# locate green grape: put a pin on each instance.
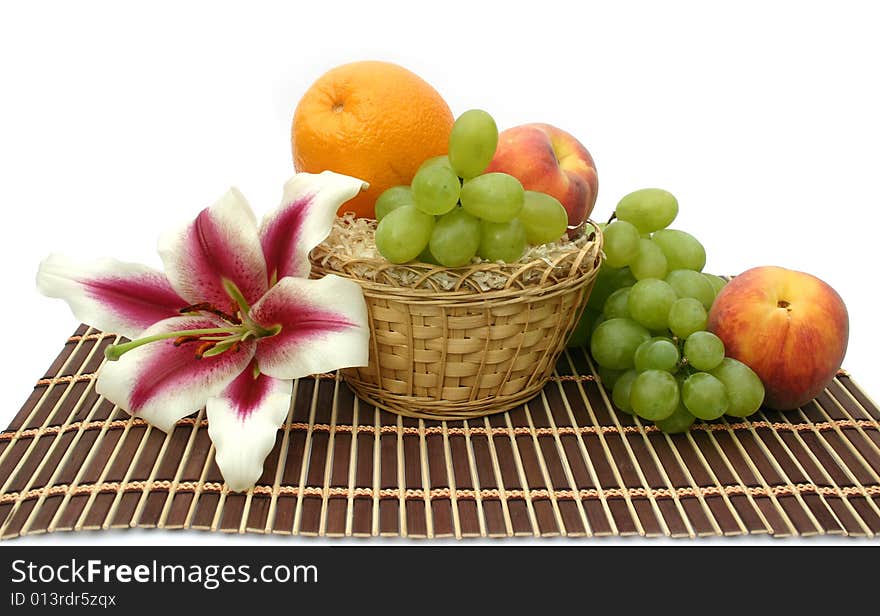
(599, 320)
(703, 350)
(608, 280)
(654, 395)
(649, 303)
(687, 316)
(682, 250)
(617, 304)
(688, 283)
(705, 396)
(403, 233)
(680, 420)
(651, 262)
(455, 239)
(648, 209)
(608, 377)
(580, 335)
(744, 388)
(442, 161)
(543, 217)
(496, 197)
(656, 354)
(472, 143)
(614, 342)
(717, 282)
(435, 187)
(621, 243)
(502, 241)
(393, 198)
(620, 393)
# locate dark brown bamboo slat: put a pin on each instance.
(563, 464)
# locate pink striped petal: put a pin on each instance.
(303, 220)
(124, 298)
(243, 423)
(323, 327)
(221, 243)
(162, 383)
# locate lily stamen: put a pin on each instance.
(115, 351)
(216, 348)
(237, 296)
(210, 308)
(214, 340)
(204, 348)
(184, 339)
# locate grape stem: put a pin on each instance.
(683, 363)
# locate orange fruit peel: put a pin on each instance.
(376, 121)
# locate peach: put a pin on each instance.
(549, 160)
(789, 327)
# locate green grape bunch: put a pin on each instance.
(453, 211)
(645, 322)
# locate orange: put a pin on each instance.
(372, 120)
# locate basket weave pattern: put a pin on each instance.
(458, 343)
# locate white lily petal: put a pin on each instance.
(323, 326)
(243, 423)
(110, 295)
(220, 244)
(303, 220)
(162, 383)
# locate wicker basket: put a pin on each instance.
(460, 343)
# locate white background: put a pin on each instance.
(119, 119)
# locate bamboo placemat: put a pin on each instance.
(563, 464)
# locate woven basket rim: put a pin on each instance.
(540, 275)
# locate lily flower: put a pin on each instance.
(230, 322)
